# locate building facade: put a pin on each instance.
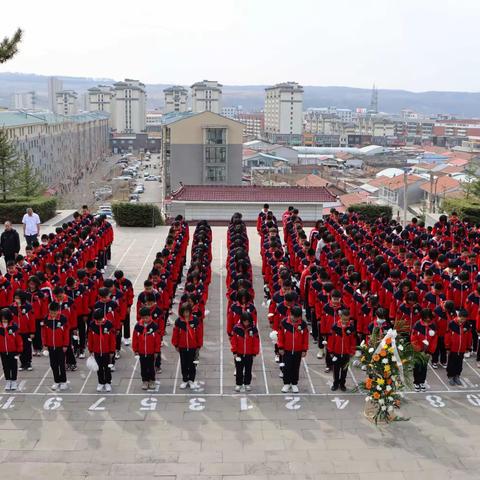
(206, 96)
(284, 109)
(67, 102)
(24, 101)
(201, 149)
(55, 85)
(129, 113)
(62, 148)
(254, 124)
(101, 99)
(176, 99)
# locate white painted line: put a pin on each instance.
(143, 264)
(122, 257)
(353, 376)
(85, 382)
(308, 376)
(264, 371)
(42, 380)
(475, 371)
(131, 376)
(176, 376)
(21, 385)
(438, 376)
(221, 317)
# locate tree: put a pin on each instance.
(9, 46)
(8, 165)
(28, 183)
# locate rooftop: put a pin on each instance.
(353, 198)
(440, 185)
(312, 181)
(14, 118)
(252, 194)
(398, 182)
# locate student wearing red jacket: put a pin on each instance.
(39, 301)
(126, 287)
(341, 345)
(424, 338)
(293, 346)
(187, 338)
(457, 341)
(101, 344)
(245, 343)
(56, 338)
(11, 344)
(146, 343)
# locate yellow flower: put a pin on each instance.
(362, 359)
(380, 381)
(385, 346)
(386, 368)
(391, 350)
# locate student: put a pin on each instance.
(11, 344)
(341, 344)
(146, 342)
(101, 343)
(457, 341)
(424, 338)
(245, 343)
(56, 338)
(187, 338)
(126, 287)
(22, 314)
(293, 346)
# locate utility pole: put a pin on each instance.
(405, 199)
(430, 206)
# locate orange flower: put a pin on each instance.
(386, 374)
(376, 395)
(389, 381)
(383, 353)
(368, 383)
(376, 358)
(388, 341)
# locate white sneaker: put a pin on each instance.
(237, 388)
(467, 355)
(248, 388)
(54, 386)
(99, 387)
(63, 386)
(277, 358)
(184, 385)
(207, 312)
(295, 389)
(320, 353)
(112, 368)
(242, 388)
(286, 388)
(117, 355)
(8, 385)
(13, 385)
(108, 387)
(280, 374)
(126, 341)
(81, 355)
(194, 385)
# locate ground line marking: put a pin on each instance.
(41, 381)
(308, 376)
(438, 376)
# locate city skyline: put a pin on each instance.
(402, 45)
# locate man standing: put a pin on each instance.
(9, 242)
(31, 226)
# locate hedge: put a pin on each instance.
(465, 208)
(14, 210)
(136, 214)
(371, 212)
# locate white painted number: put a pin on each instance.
(53, 403)
(8, 403)
(293, 403)
(245, 404)
(435, 401)
(340, 402)
(148, 403)
(197, 404)
(474, 399)
(95, 407)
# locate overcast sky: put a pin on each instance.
(409, 44)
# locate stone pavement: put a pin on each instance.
(215, 434)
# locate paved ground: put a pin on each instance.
(215, 434)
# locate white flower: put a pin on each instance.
(362, 344)
(388, 388)
(390, 408)
(367, 399)
(384, 408)
(381, 401)
(379, 387)
(370, 350)
(400, 347)
(358, 353)
(385, 361)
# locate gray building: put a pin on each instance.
(201, 149)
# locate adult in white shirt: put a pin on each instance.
(31, 226)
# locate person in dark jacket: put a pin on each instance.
(9, 243)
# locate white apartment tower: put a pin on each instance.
(129, 112)
(284, 108)
(66, 102)
(54, 86)
(175, 99)
(206, 96)
(24, 101)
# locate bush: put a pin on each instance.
(137, 214)
(371, 212)
(465, 208)
(15, 208)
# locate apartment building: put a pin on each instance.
(206, 96)
(67, 102)
(254, 123)
(101, 99)
(176, 98)
(55, 85)
(129, 113)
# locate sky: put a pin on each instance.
(415, 45)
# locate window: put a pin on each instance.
(215, 154)
(216, 174)
(216, 136)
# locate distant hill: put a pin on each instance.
(251, 96)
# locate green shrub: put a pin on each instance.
(465, 208)
(136, 214)
(15, 208)
(371, 212)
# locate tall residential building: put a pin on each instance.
(206, 96)
(284, 109)
(24, 101)
(129, 115)
(201, 149)
(175, 99)
(101, 99)
(54, 86)
(66, 102)
(254, 123)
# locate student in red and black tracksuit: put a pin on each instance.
(39, 301)
(457, 341)
(342, 344)
(109, 308)
(101, 343)
(424, 339)
(11, 344)
(293, 344)
(56, 338)
(146, 343)
(187, 338)
(444, 314)
(245, 343)
(126, 287)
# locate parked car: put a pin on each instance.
(146, 174)
(151, 178)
